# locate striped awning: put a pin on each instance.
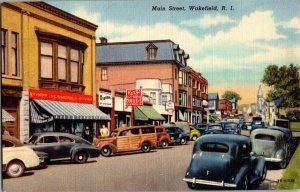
(6, 116)
(150, 112)
(45, 111)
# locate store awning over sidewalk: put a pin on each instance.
(161, 110)
(6, 117)
(145, 111)
(45, 111)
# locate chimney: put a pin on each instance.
(103, 40)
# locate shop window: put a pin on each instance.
(15, 57)
(4, 51)
(104, 74)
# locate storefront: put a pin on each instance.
(122, 113)
(56, 111)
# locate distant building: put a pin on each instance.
(225, 107)
(213, 102)
(260, 100)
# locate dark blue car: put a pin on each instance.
(231, 128)
(224, 160)
(178, 135)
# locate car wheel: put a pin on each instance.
(106, 151)
(164, 144)
(15, 169)
(146, 147)
(192, 185)
(194, 137)
(183, 141)
(80, 157)
(244, 184)
(283, 163)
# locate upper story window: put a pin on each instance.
(153, 97)
(152, 51)
(104, 74)
(15, 57)
(4, 51)
(61, 61)
(183, 99)
(164, 99)
(180, 77)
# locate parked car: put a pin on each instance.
(194, 133)
(224, 160)
(257, 123)
(127, 139)
(231, 127)
(201, 127)
(246, 125)
(275, 144)
(213, 128)
(63, 146)
(17, 157)
(163, 137)
(177, 135)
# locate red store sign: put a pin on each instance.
(60, 96)
(134, 97)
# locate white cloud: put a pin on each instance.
(93, 17)
(293, 23)
(207, 21)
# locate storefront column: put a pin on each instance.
(112, 115)
(24, 116)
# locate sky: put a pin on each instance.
(230, 47)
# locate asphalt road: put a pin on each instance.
(160, 170)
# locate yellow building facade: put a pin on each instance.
(43, 48)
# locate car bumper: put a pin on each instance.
(271, 159)
(206, 182)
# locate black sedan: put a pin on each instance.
(224, 160)
(63, 146)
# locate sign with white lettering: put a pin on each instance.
(105, 99)
(134, 97)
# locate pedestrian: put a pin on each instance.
(104, 132)
(87, 135)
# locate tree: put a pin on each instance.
(228, 95)
(285, 81)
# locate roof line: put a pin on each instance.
(134, 42)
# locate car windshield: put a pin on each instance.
(265, 137)
(215, 127)
(231, 125)
(214, 147)
(33, 139)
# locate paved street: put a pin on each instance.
(160, 170)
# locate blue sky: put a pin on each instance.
(230, 48)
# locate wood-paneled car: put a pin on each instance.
(224, 160)
(128, 139)
(17, 157)
(275, 144)
(63, 146)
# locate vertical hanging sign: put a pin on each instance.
(134, 97)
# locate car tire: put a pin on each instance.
(283, 163)
(164, 144)
(146, 147)
(80, 157)
(15, 169)
(245, 183)
(183, 141)
(106, 151)
(192, 185)
(194, 138)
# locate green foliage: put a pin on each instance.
(230, 95)
(291, 176)
(285, 81)
(293, 115)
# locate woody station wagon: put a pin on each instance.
(135, 138)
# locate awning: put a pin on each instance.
(139, 115)
(45, 111)
(6, 116)
(149, 112)
(161, 110)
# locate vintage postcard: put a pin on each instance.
(150, 95)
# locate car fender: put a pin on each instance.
(280, 154)
(75, 149)
(259, 166)
(239, 175)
